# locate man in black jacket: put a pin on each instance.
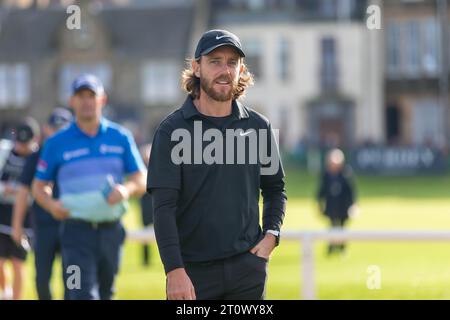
(207, 168)
(336, 194)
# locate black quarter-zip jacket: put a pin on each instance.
(205, 212)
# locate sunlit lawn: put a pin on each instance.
(409, 270)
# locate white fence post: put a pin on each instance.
(308, 267)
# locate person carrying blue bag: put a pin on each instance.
(97, 166)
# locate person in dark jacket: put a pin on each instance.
(336, 194)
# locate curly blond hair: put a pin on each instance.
(191, 83)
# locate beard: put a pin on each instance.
(218, 95)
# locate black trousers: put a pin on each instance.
(338, 222)
(339, 247)
(47, 244)
(241, 277)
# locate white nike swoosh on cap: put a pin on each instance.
(218, 38)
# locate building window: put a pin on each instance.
(284, 59)
(69, 72)
(393, 48)
(253, 56)
(237, 4)
(427, 123)
(345, 9)
(160, 82)
(328, 8)
(14, 85)
(289, 4)
(328, 72)
(430, 46)
(412, 48)
(256, 4)
(4, 86)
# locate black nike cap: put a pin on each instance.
(216, 38)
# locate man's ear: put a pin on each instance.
(196, 68)
(241, 68)
(104, 99)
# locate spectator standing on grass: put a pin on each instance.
(336, 195)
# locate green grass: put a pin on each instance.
(409, 270)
